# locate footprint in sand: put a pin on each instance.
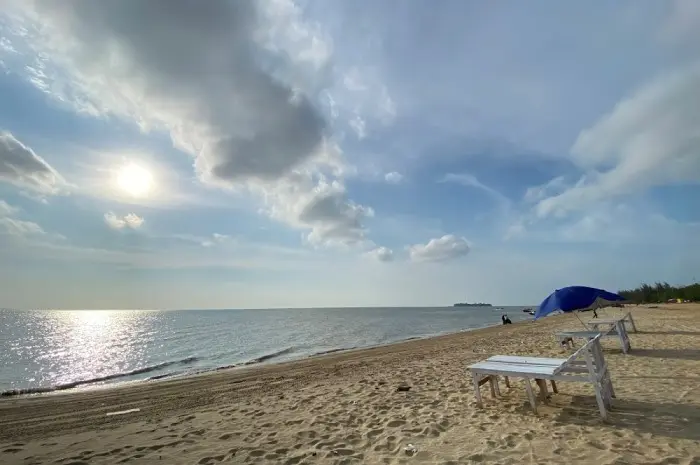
(389, 446)
(208, 460)
(353, 439)
(341, 452)
(306, 434)
(396, 423)
(597, 444)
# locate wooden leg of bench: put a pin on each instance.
(601, 401)
(477, 392)
(531, 395)
(498, 388)
(542, 384)
(507, 381)
(492, 385)
(554, 387)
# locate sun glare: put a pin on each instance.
(135, 180)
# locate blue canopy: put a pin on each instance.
(574, 298)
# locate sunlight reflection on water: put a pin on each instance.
(85, 348)
(84, 344)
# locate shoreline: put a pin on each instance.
(101, 383)
(241, 374)
(346, 408)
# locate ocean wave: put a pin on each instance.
(331, 351)
(270, 356)
(98, 379)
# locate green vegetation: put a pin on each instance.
(662, 292)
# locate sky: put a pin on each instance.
(281, 153)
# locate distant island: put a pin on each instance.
(478, 304)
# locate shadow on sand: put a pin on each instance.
(685, 354)
(672, 333)
(670, 420)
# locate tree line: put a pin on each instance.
(662, 292)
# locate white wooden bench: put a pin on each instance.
(617, 330)
(585, 365)
(596, 323)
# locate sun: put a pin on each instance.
(135, 180)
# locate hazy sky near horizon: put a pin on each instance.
(280, 153)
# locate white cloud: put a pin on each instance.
(649, 139)
(359, 126)
(13, 226)
(444, 248)
(609, 223)
(320, 206)
(469, 180)
(382, 254)
(682, 22)
(20, 166)
(6, 209)
(516, 229)
(130, 221)
(553, 186)
(215, 239)
(363, 91)
(20, 228)
(242, 108)
(393, 177)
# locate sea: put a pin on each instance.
(43, 351)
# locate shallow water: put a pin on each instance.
(54, 350)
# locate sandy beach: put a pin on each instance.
(345, 408)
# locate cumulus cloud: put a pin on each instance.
(231, 82)
(20, 166)
(192, 69)
(440, 249)
(393, 177)
(129, 221)
(382, 254)
(319, 205)
(649, 139)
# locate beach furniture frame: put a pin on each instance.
(596, 323)
(617, 329)
(586, 365)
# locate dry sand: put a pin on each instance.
(344, 408)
